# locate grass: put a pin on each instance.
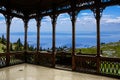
(111, 49)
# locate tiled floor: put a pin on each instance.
(33, 72)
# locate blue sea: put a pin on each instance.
(83, 39)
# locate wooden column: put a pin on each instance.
(98, 14)
(98, 39)
(25, 34)
(54, 19)
(25, 37)
(98, 32)
(8, 22)
(38, 20)
(73, 20)
(73, 15)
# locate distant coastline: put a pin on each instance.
(83, 39)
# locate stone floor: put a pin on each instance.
(33, 72)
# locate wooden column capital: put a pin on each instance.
(25, 23)
(38, 20)
(8, 19)
(54, 19)
(73, 16)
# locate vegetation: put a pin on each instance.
(111, 49)
(17, 46)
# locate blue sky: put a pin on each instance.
(110, 21)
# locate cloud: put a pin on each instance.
(108, 19)
(85, 14)
(116, 20)
(63, 18)
(1, 15)
(86, 19)
(118, 6)
(46, 19)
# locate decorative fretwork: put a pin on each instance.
(86, 63)
(2, 60)
(85, 3)
(110, 66)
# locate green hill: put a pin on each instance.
(111, 49)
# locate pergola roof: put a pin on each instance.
(30, 8)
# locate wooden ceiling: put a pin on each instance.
(31, 7)
(35, 5)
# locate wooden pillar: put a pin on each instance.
(25, 34)
(25, 37)
(98, 14)
(98, 32)
(73, 15)
(8, 22)
(38, 20)
(54, 19)
(73, 19)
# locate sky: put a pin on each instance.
(86, 22)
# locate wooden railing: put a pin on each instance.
(86, 63)
(63, 58)
(45, 59)
(110, 66)
(30, 57)
(2, 60)
(40, 58)
(16, 58)
(100, 65)
(83, 63)
(11, 58)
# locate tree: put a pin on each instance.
(3, 40)
(31, 48)
(11, 47)
(19, 45)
